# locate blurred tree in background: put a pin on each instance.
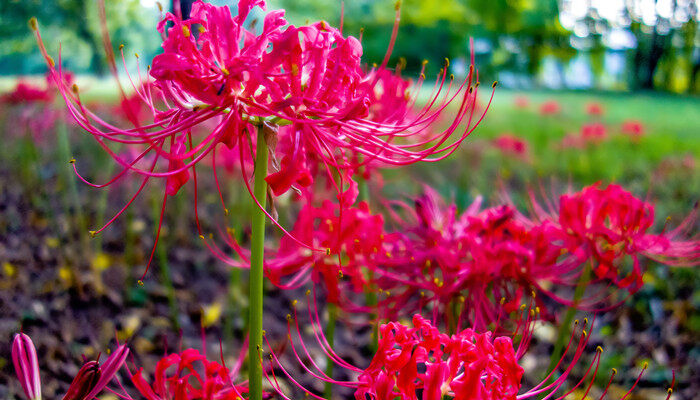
(76, 25)
(519, 42)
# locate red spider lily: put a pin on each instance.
(188, 375)
(25, 92)
(593, 133)
(88, 383)
(521, 102)
(512, 145)
(421, 359)
(550, 107)
(634, 129)
(351, 236)
(478, 263)
(590, 134)
(29, 106)
(306, 79)
(609, 226)
(594, 109)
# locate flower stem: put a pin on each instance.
(330, 337)
(370, 292)
(256, 271)
(565, 327)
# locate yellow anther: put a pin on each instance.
(447, 62)
(494, 84)
(614, 371)
(92, 233)
(295, 70)
(289, 317)
(646, 365)
(599, 349)
(585, 321)
(137, 55)
(160, 6)
(201, 237)
(140, 282)
(533, 294)
(51, 62)
(532, 313)
(201, 29)
(328, 251)
(425, 61)
(186, 31)
(503, 300)
(575, 322)
(74, 88)
(583, 333)
(340, 274)
(121, 46)
(452, 77)
(294, 303)
(357, 240)
(226, 211)
(397, 5)
(308, 292)
(323, 25)
(33, 23)
(537, 310)
(263, 332)
(669, 391)
(523, 307)
(71, 161)
(224, 71)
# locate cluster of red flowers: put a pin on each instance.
(322, 113)
(482, 261)
(466, 365)
(305, 84)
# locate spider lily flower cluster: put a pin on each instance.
(475, 267)
(418, 360)
(305, 84)
(481, 262)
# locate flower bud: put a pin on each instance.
(26, 366)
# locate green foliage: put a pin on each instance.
(75, 26)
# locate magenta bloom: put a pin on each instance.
(521, 102)
(550, 107)
(481, 261)
(304, 86)
(467, 365)
(609, 224)
(594, 133)
(512, 145)
(25, 92)
(420, 360)
(87, 384)
(634, 129)
(189, 375)
(594, 109)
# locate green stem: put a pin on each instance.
(257, 249)
(370, 292)
(330, 337)
(565, 326)
(164, 267)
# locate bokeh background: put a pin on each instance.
(589, 90)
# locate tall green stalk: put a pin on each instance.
(370, 293)
(330, 337)
(565, 327)
(256, 271)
